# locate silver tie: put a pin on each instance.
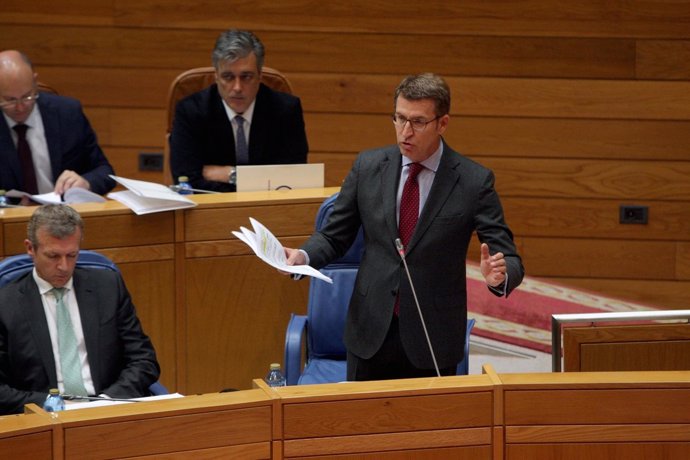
(241, 150)
(67, 345)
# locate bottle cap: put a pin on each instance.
(2, 191)
(183, 179)
(275, 366)
(54, 391)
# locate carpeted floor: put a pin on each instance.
(524, 318)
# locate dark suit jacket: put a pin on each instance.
(71, 143)
(202, 135)
(462, 200)
(122, 360)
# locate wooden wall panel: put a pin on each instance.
(577, 106)
(532, 18)
(663, 59)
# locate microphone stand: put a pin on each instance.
(176, 188)
(401, 251)
(68, 397)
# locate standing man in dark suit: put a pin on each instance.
(72, 329)
(238, 120)
(451, 198)
(61, 147)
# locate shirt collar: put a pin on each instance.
(32, 120)
(247, 115)
(44, 286)
(430, 163)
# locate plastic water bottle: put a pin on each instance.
(3, 199)
(275, 377)
(54, 402)
(185, 188)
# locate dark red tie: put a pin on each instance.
(27, 164)
(409, 204)
(409, 211)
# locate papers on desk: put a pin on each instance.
(71, 196)
(146, 197)
(110, 402)
(267, 247)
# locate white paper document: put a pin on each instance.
(110, 402)
(267, 247)
(71, 196)
(146, 197)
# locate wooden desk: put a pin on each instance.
(215, 313)
(26, 436)
(225, 425)
(596, 415)
(450, 417)
(627, 347)
(583, 415)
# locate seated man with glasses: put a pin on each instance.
(46, 142)
(238, 120)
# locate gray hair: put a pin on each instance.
(59, 220)
(234, 44)
(425, 86)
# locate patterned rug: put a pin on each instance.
(524, 318)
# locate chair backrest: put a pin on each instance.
(43, 88)
(13, 267)
(194, 80)
(328, 303)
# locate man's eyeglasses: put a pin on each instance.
(13, 102)
(417, 124)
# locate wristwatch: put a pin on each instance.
(232, 177)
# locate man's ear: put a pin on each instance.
(29, 247)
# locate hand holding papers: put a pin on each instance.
(267, 247)
(146, 197)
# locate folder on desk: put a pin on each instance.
(147, 197)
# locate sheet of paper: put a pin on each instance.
(106, 402)
(71, 196)
(146, 197)
(145, 205)
(267, 247)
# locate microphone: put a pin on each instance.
(69, 397)
(176, 188)
(401, 250)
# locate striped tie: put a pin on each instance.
(67, 345)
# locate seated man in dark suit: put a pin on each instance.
(236, 121)
(46, 141)
(69, 328)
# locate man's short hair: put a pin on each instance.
(59, 220)
(235, 44)
(425, 86)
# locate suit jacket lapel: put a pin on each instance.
(220, 127)
(447, 176)
(51, 127)
(257, 133)
(9, 153)
(36, 319)
(87, 300)
(390, 174)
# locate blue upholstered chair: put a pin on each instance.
(13, 267)
(324, 323)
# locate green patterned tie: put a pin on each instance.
(67, 344)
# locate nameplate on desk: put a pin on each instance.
(254, 178)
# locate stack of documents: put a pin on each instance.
(71, 196)
(146, 197)
(267, 247)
